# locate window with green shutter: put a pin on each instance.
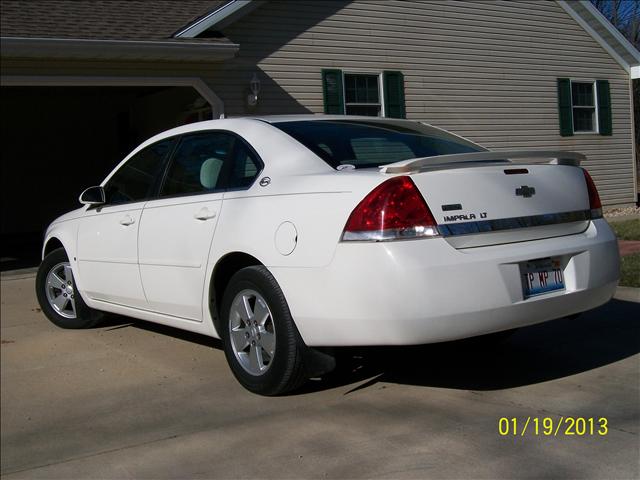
(584, 107)
(332, 92)
(367, 94)
(604, 107)
(394, 106)
(564, 107)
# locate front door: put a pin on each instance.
(108, 235)
(108, 254)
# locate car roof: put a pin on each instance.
(270, 119)
(236, 122)
(317, 117)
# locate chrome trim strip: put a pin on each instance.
(484, 226)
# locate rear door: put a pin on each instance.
(177, 228)
(108, 235)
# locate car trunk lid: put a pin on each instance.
(481, 199)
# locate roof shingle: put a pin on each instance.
(101, 19)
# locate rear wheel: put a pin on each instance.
(261, 342)
(58, 295)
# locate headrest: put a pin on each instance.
(209, 172)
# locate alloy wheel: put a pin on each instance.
(252, 332)
(60, 291)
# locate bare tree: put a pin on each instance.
(624, 15)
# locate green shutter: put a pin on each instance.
(332, 92)
(604, 107)
(394, 94)
(564, 107)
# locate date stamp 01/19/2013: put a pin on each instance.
(553, 427)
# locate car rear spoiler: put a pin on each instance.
(444, 161)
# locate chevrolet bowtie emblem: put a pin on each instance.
(525, 191)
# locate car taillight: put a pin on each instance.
(594, 199)
(394, 210)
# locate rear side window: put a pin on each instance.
(366, 144)
(136, 179)
(197, 165)
(244, 167)
(210, 162)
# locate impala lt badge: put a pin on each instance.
(466, 217)
(525, 191)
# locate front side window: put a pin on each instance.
(136, 179)
(583, 105)
(362, 95)
(197, 164)
(366, 144)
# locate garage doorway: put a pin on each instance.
(58, 140)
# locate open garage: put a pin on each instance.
(58, 140)
(75, 102)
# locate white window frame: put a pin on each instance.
(380, 89)
(596, 123)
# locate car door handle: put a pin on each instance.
(204, 214)
(127, 220)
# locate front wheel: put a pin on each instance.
(261, 342)
(58, 295)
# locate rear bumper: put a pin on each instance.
(423, 291)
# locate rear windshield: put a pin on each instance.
(366, 144)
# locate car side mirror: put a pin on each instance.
(93, 196)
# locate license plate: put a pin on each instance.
(541, 276)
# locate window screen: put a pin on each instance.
(362, 95)
(583, 103)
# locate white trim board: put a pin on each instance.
(213, 18)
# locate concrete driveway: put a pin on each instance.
(135, 400)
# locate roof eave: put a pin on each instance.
(624, 42)
(616, 51)
(177, 51)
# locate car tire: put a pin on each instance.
(58, 294)
(261, 342)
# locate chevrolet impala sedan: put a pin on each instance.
(286, 235)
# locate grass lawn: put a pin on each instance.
(630, 270)
(627, 230)
(629, 265)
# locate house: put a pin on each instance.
(84, 81)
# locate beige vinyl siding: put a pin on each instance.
(484, 70)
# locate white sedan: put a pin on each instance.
(281, 235)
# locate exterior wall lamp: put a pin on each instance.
(254, 87)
